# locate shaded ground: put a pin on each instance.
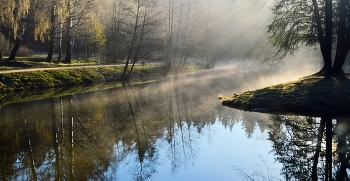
(311, 95)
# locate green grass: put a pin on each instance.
(40, 62)
(19, 81)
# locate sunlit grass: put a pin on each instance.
(18, 81)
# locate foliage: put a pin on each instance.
(293, 26)
(12, 13)
(94, 36)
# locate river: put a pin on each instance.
(173, 129)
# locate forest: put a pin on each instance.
(126, 30)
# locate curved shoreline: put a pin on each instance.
(310, 96)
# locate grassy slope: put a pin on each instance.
(20, 81)
(312, 95)
(51, 83)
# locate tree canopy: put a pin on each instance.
(320, 23)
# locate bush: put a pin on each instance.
(24, 51)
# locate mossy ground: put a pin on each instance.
(20, 81)
(311, 95)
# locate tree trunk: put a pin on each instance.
(0, 55)
(340, 51)
(133, 41)
(15, 49)
(329, 26)
(326, 48)
(51, 51)
(60, 44)
(52, 34)
(68, 58)
(19, 39)
(136, 58)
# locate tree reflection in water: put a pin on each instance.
(311, 148)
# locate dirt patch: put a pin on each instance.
(311, 96)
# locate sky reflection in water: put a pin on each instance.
(218, 150)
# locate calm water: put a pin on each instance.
(175, 129)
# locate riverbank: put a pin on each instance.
(28, 80)
(311, 95)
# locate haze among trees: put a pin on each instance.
(171, 32)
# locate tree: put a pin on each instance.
(19, 38)
(92, 36)
(136, 32)
(13, 16)
(45, 20)
(324, 24)
(183, 30)
(76, 12)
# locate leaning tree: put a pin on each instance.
(321, 23)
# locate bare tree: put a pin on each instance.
(139, 32)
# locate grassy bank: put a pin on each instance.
(312, 96)
(20, 81)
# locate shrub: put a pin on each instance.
(24, 51)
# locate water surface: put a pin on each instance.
(175, 129)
